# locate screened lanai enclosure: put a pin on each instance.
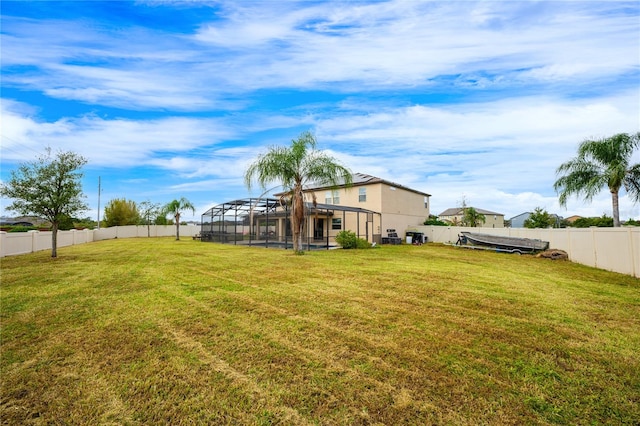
(265, 222)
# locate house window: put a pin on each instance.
(426, 202)
(327, 197)
(336, 223)
(362, 195)
(336, 197)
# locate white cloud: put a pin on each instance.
(484, 99)
(502, 154)
(116, 143)
(310, 46)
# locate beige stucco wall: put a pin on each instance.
(612, 249)
(359, 225)
(349, 197)
(400, 208)
(493, 221)
(397, 201)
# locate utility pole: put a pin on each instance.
(99, 191)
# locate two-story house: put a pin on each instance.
(370, 207)
(455, 216)
(400, 207)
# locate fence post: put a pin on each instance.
(34, 240)
(3, 243)
(595, 248)
(633, 255)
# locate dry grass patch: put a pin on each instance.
(144, 331)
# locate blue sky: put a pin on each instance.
(475, 100)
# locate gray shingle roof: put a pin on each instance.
(360, 179)
(456, 211)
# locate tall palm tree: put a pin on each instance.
(601, 163)
(295, 167)
(175, 209)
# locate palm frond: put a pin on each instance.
(632, 183)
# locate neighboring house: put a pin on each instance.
(573, 218)
(37, 221)
(455, 216)
(400, 207)
(23, 221)
(8, 222)
(518, 221)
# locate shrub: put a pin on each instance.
(347, 239)
(435, 222)
(540, 218)
(20, 228)
(361, 243)
(601, 222)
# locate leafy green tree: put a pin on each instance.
(564, 223)
(601, 163)
(601, 222)
(175, 208)
(49, 187)
(540, 218)
(121, 212)
(87, 223)
(294, 167)
(433, 220)
(162, 220)
(472, 217)
(632, 222)
(148, 211)
(583, 222)
(604, 221)
(66, 223)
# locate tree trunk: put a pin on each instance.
(616, 208)
(300, 246)
(298, 217)
(177, 218)
(54, 239)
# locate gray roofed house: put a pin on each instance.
(454, 216)
(400, 207)
(362, 179)
(518, 221)
(372, 208)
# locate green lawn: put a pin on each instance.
(148, 331)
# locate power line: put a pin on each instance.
(20, 144)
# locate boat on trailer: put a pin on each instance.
(502, 243)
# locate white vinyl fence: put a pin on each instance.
(612, 249)
(13, 243)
